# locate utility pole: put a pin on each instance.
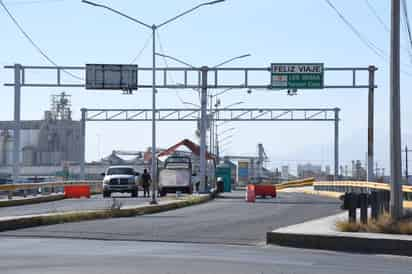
(396, 210)
(406, 164)
(203, 118)
(371, 69)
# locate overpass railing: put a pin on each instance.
(296, 183)
(359, 187)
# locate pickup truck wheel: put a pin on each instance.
(106, 194)
(162, 193)
(134, 194)
(190, 190)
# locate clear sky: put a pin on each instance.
(73, 33)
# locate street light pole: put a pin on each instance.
(154, 158)
(153, 29)
(395, 116)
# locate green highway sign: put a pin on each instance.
(297, 75)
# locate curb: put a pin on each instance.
(29, 201)
(341, 243)
(59, 218)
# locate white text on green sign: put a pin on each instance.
(297, 76)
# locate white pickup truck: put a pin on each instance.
(120, 179)
(176, 176)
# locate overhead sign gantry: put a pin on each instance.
(204, 78)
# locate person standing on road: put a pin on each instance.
(146, 180)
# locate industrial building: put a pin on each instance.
(53, 141)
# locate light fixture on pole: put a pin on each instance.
(153, 28)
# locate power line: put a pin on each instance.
(167, 66)
(139, 54)
(376, 50)
(384, 25)
(407, 26)
(377, 16)
(42, 53)
(21, 3)
(379, 52)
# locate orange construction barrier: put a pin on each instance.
(250, 193)
(77, 191)
(265, 190)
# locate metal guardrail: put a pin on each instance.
(359, 187)
(23, 190)
(296, 183)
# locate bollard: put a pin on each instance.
(363, 203)
(387, 197)
(353, 204)
(345, 201)
(374, 205)
(250, 193)
(381, 201)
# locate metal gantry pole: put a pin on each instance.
(371, 91)
(203, 117)
(83, 144)
(336, 144)
(217, 146)
(396, 210)
(211, 124)
(406, 165)
(17, 125)
(154, 157)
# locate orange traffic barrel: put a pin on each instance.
(250, 193)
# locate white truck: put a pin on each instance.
(120, 179)
(176, 175)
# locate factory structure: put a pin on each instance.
(53, 141)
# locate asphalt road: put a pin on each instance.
(90, 256)
(95, 202)
(227, 220)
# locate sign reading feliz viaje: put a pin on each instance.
(297, 76)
